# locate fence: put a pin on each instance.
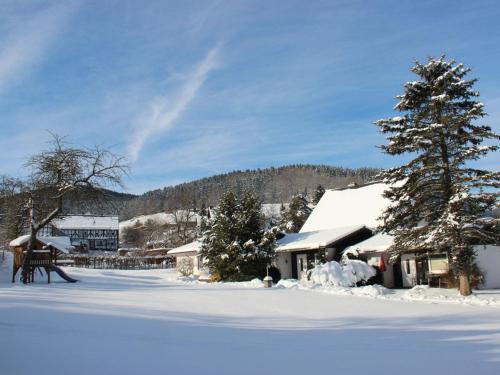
(120, 262)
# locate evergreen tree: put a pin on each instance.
(318, 193)
(296, 215)
(438, 197)
(235, 245)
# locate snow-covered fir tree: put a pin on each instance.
(439, 198)
(294, 217)
(235, 245)
(318, 193)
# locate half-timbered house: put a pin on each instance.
(87, 232)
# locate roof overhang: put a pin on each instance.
(192, 248)
(315, 240)
(60, 243)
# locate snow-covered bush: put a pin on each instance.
(358, 270)
(348, 274)
(185, 266)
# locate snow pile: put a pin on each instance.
(288, 284)
(423, 293)
(417, 293)
(257, 283)
(335, 274)
(373, 291)
(358, 270)
(187, 279)
(370, 291)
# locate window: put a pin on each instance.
(407, 266)
(438, 264)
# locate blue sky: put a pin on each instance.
(188, 89)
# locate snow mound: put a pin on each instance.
(188, 279)
(256, 283)
(288, 284)
(417, 293)
(346, 275)
(423, 293)
(373, 291)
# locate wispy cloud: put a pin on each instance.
(163, 112)
(25, 45)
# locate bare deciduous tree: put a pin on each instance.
(13, 215)
(185, 223)
(59, 172)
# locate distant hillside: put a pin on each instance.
(274, 185)
(107, 202)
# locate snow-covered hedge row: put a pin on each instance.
(336, 274)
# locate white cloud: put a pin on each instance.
(25, 45)
(164, 113)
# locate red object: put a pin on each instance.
(382, 264)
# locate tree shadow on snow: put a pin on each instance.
(94, 341)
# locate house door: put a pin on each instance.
(301, 265)
(398, 275)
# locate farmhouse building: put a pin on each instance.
(87, 232)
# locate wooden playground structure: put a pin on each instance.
(44, 257)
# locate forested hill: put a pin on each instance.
(274, 185)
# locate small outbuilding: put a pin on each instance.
(189, 251)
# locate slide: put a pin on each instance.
(62, 274)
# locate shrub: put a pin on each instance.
(185, 266)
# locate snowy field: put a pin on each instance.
(149, 322)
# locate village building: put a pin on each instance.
(86, 232)
(342, 218)
(190, 251)
(413, 269)
(296, 252)
(343, 224)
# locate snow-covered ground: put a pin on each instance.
(144, 322)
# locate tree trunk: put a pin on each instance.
(31, 245)
(464, 285)
(35, 228)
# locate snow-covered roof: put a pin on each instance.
(60, 243)
(378, 243)
(86, 222)
(352, 206)
(161, 218)
(315, 239)
(192, 247)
